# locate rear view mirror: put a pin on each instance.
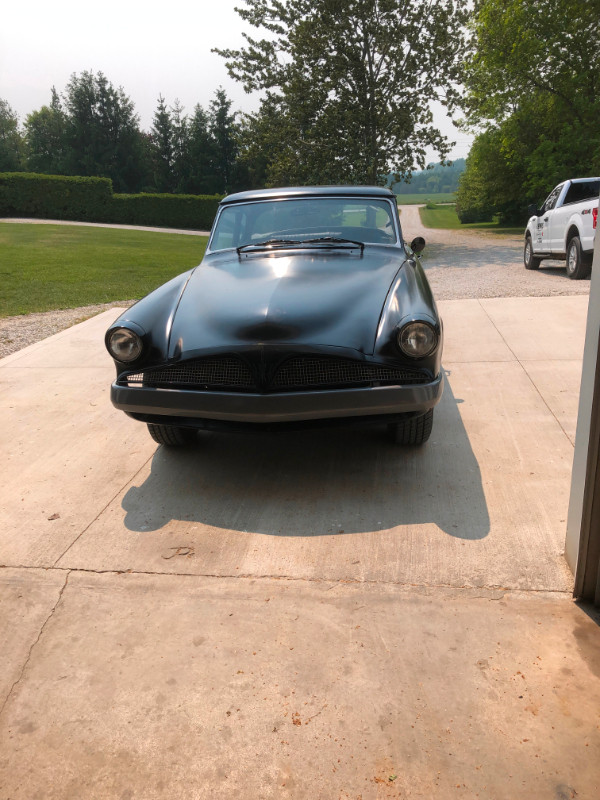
(418, 244)
(533, 210)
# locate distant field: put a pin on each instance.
(415, 199)
(47, 267)
(446, 218)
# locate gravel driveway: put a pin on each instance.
(469, 264)
(459, 264)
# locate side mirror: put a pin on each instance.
(418, 244)
(533, 210)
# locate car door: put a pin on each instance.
(560, 217)
(542, 242)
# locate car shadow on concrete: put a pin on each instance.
(318, 483)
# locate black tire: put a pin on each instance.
(531, 262)
(414, 431)
(171, 435)
(578, 265)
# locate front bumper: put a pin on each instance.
(275, 408)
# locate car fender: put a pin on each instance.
(152, 318)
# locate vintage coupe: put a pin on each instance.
(308, 308)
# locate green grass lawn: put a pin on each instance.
(415, 199)
(446, 218)
(47, 267)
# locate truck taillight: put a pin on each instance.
(594, 217)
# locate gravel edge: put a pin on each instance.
(19, 332)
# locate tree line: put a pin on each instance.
(346, 90)
(91, 129)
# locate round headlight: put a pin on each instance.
(417, 339)
(124, 345)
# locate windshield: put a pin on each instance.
(303, 219)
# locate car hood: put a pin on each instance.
(313, 297)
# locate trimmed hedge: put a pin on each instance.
(165, 210)
(24, 194)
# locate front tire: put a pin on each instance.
(415, 431)
(531, 262)
(171, 435)
(578, 265)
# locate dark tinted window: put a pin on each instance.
(578, 192)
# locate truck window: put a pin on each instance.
(578, 192)
(552, 198)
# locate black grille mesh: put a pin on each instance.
(228, 372)
(296, 373)
(309, 371)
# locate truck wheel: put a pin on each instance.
(531, 262)
(578, 265)
(414, 431)
(171, 435)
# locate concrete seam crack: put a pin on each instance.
(291, 579)
(31, 649)
(529, 378)
(102, 510)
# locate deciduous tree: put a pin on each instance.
(348, 84)
(532, 74)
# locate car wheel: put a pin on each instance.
(531, 262)
(578, 266)
(414, 431)
(171, 435)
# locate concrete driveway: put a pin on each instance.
(315, 615)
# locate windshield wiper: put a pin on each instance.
(327, 241)
(270, 243)
(335, 240)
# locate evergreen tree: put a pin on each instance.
(200, 177)
(181, 146)
(46, 138)
(161, 135)
(223, 131)
(11, 141)
(103, 136)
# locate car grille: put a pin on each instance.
(301, 372)
(230, 373)
(306, 371)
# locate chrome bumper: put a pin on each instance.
(284, 407)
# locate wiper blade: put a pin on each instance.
(272, 244)
(335, 240)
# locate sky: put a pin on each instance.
(147, 47)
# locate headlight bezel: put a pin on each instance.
(403, 331)
(133, 335)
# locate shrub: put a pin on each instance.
(92, 200)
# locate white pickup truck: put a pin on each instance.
(564, 227)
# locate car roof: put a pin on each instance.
(308, 191)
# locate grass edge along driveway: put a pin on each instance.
(50, 267)
(444, 217)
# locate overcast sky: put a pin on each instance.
(147, 47)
